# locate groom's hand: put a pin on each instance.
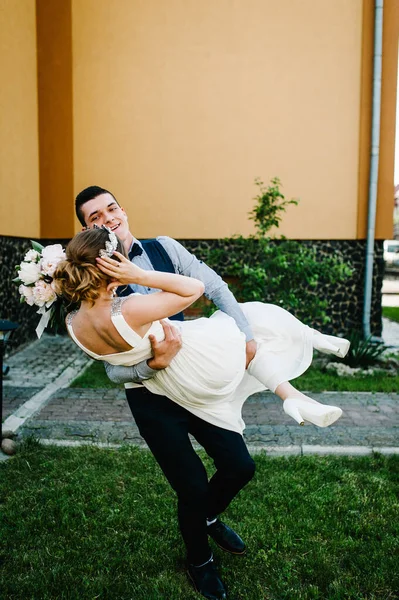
(250, 351)
(165, 350)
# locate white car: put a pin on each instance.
(391, 254)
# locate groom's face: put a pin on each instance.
(104, 210)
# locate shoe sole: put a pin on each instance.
(342, 344)
(324, 420)
(231, 551)
(344, 349)
(331, 417)
(194, 584)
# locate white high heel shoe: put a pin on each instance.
(314, 412)
(331, 344)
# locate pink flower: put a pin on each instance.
(27, 293)
(43, 294)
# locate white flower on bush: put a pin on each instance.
(51, 256)
(29, 272)
(32, 256)
(27, 293)
(43, 294)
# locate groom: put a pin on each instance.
(165, 425)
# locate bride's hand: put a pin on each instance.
(251, 348)
(122, 271)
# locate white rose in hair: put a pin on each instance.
(51, 256)
(29, 272)
(27, 293)
(43, 294)
(32, 256)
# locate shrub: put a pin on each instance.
(277, 270)
(363, 352)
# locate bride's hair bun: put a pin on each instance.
(78, 278)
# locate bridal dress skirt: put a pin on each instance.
(208, 375)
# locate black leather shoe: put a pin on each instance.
(226, 538)
(207, 582)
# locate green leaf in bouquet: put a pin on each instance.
(36, 246)
(17, 280)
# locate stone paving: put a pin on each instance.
(14, 397)
(390, 333)
(42, 361)
(103, 416)
(68, 415)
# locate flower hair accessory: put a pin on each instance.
(110, 245)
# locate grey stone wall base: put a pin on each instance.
(345, 300)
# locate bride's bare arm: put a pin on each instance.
(178, 293)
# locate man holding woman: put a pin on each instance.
(204, 384)
(164, 425)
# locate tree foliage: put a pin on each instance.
(273, 269)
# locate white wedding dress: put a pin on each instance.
(208, 375)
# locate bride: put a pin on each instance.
(208, 375)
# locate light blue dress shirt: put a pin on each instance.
(185, 263)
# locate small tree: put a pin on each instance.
(270, 203)
(275, 269)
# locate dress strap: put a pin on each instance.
(120, 324)
(69, 319)
(116, 306)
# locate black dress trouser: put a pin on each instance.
(165, 426)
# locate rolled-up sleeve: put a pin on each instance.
(217, 290)
(135, 374)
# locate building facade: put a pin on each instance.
(177, 106)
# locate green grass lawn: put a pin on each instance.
(314, 380)
(94, 377)
(90, 523)
(391, 312)
(317, 380)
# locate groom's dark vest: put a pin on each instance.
(161, 261)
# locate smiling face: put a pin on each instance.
(104, 210)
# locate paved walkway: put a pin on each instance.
(38, 401)
(390, 291)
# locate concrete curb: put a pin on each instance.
(34, 404)
(304, 450)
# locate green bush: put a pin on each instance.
(277, 270)
(363, 352)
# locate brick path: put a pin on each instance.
(370, 421)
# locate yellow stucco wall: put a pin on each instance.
(384, 217)
(19, 174)
(178, 105)
(385, 192)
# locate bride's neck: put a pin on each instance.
(104, 299)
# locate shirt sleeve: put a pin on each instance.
(217, 290)
(136, 373)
